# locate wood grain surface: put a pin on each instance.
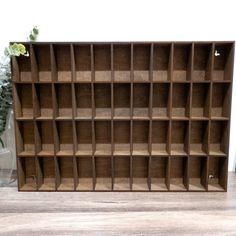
(118, 213)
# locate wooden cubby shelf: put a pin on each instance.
(141, 116)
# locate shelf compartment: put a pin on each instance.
(141, 62)
(180, 100)
(202, 62)
(64, 138)
(141, 101)
(160, 134)
(62, 55)
(46, 174)
(122, 101)
(161, 62)
(121, 138)
(121, 173)
(102, 101)
(179, 138)
(24, 101)
(85, 174)
(25, 138)
(161, 101)
(82, 55)
(182, 62)
(122, 63)
(102, 63)
(200, 100)
(199, 138)
(178, 173)
(63, 106)
(221, 101)
(66, 174)
(223, 62)
(217, 179)
(84, 138)
(27, 174)
(140, 173)
(44, 138)
(103, 173)
(158, 173)
(103, 138)
(24, 65)
(43, 60)
(83, 95)
(219, 138)
(43, 101)
(197, 173)
(140, 138)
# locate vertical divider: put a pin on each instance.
(131, 114)
(33, 64)
(112, 117)
(93, 117)
(75, 170)
(53, 64)
(15, 69)
(150, 117)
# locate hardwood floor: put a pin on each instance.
(118, 213)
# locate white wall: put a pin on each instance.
(122, 20)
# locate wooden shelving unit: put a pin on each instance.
(123, 116)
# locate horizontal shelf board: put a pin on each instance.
(25, 118)
(28, 187)
(45, 153)
(121, 184)
(26, 153)
(158, 184)
(176, 184)
(48, 186)
(103, 184)
(195, 185)
(64, 153)
(85, 184)
(140, 184)
(66, 186)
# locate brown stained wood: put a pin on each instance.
(123, 116)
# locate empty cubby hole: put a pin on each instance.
(160, 130)
(82, 55)
(217, 173)
(200, 100)
(62, 55)
(103, 137)
(140, 137)
(202, 62)
(180, 100)
(141, 62)
(63, 101)
(161, 62)
(103, 173)
(24, 64)
(221, 95)
(27, 173)
(25, 138)
(223, 62)
(179, 137)
(23, 101)
(122, 62)
(158, 173)
(219, 137)
(85, 173)
(160, 101)
(83, 101)
(64, 138)
(122, 101)
(178, 173)
(65, 174)
(102, 63)
(141, 100)
(102, 101)
(43, 101)
(197, 173)
(122, 173)
(182, 62)
(46, 174)
(44, 138)
(122, 138)
(84, 138)
(140, 173)
(199, 138)
(43, 61)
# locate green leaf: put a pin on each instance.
(35, 30)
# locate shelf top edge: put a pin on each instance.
(120, 42)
